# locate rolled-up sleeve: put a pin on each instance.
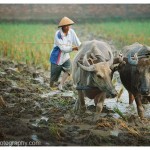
(76, 40)
(63, 47)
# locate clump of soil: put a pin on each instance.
(31, 112)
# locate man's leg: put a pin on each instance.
(54, 74)
(66, 68)
(64, 78)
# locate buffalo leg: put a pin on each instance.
(131, 98)
(99, 101)
(140, 108)
(80, 103)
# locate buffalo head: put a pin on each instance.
(143, 73)
(141, 63)
(101, 75)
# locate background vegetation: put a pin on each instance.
(32, 43)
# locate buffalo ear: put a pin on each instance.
(114, 67)
(144, 62)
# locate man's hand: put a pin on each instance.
(75, 48)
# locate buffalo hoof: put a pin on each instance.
(78, 108)
(141, 112)
(141, 115)
(96, 117)
(145, 101)
(82, 109)
(144, 120)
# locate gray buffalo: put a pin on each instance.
(135, 74)
(92, 73)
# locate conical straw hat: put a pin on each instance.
(65, 21)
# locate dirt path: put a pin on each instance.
(32, 114)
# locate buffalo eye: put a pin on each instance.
(99, 76)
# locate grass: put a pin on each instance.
(55, 132)
(14, 38)
(116, 110)
(14, 44)
(122, 33)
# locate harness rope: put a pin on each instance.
(48, 43)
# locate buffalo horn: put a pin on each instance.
(132, 61)
(110, 61)
(89, 68)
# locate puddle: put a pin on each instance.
(13, 69)
(115, 132)
(56, 92)
(68, 94)
(39, 80)
(36, 123)
(44, 118)
(11, 105)
(34, 137)
(3, 73)
(122, 105)
(52, 93)
(147, 110)
(14, 84)
(37, 104)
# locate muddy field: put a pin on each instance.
(34, 115)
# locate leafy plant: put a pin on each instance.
(116, 109)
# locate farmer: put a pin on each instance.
(65, 41)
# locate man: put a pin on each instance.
(65, 42)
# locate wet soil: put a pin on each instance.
(33, 113)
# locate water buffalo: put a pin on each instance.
(135, 74)
(92, 74)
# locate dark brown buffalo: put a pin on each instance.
(135, 74)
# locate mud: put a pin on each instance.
(31, 112)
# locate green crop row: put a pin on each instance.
(32, 43)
